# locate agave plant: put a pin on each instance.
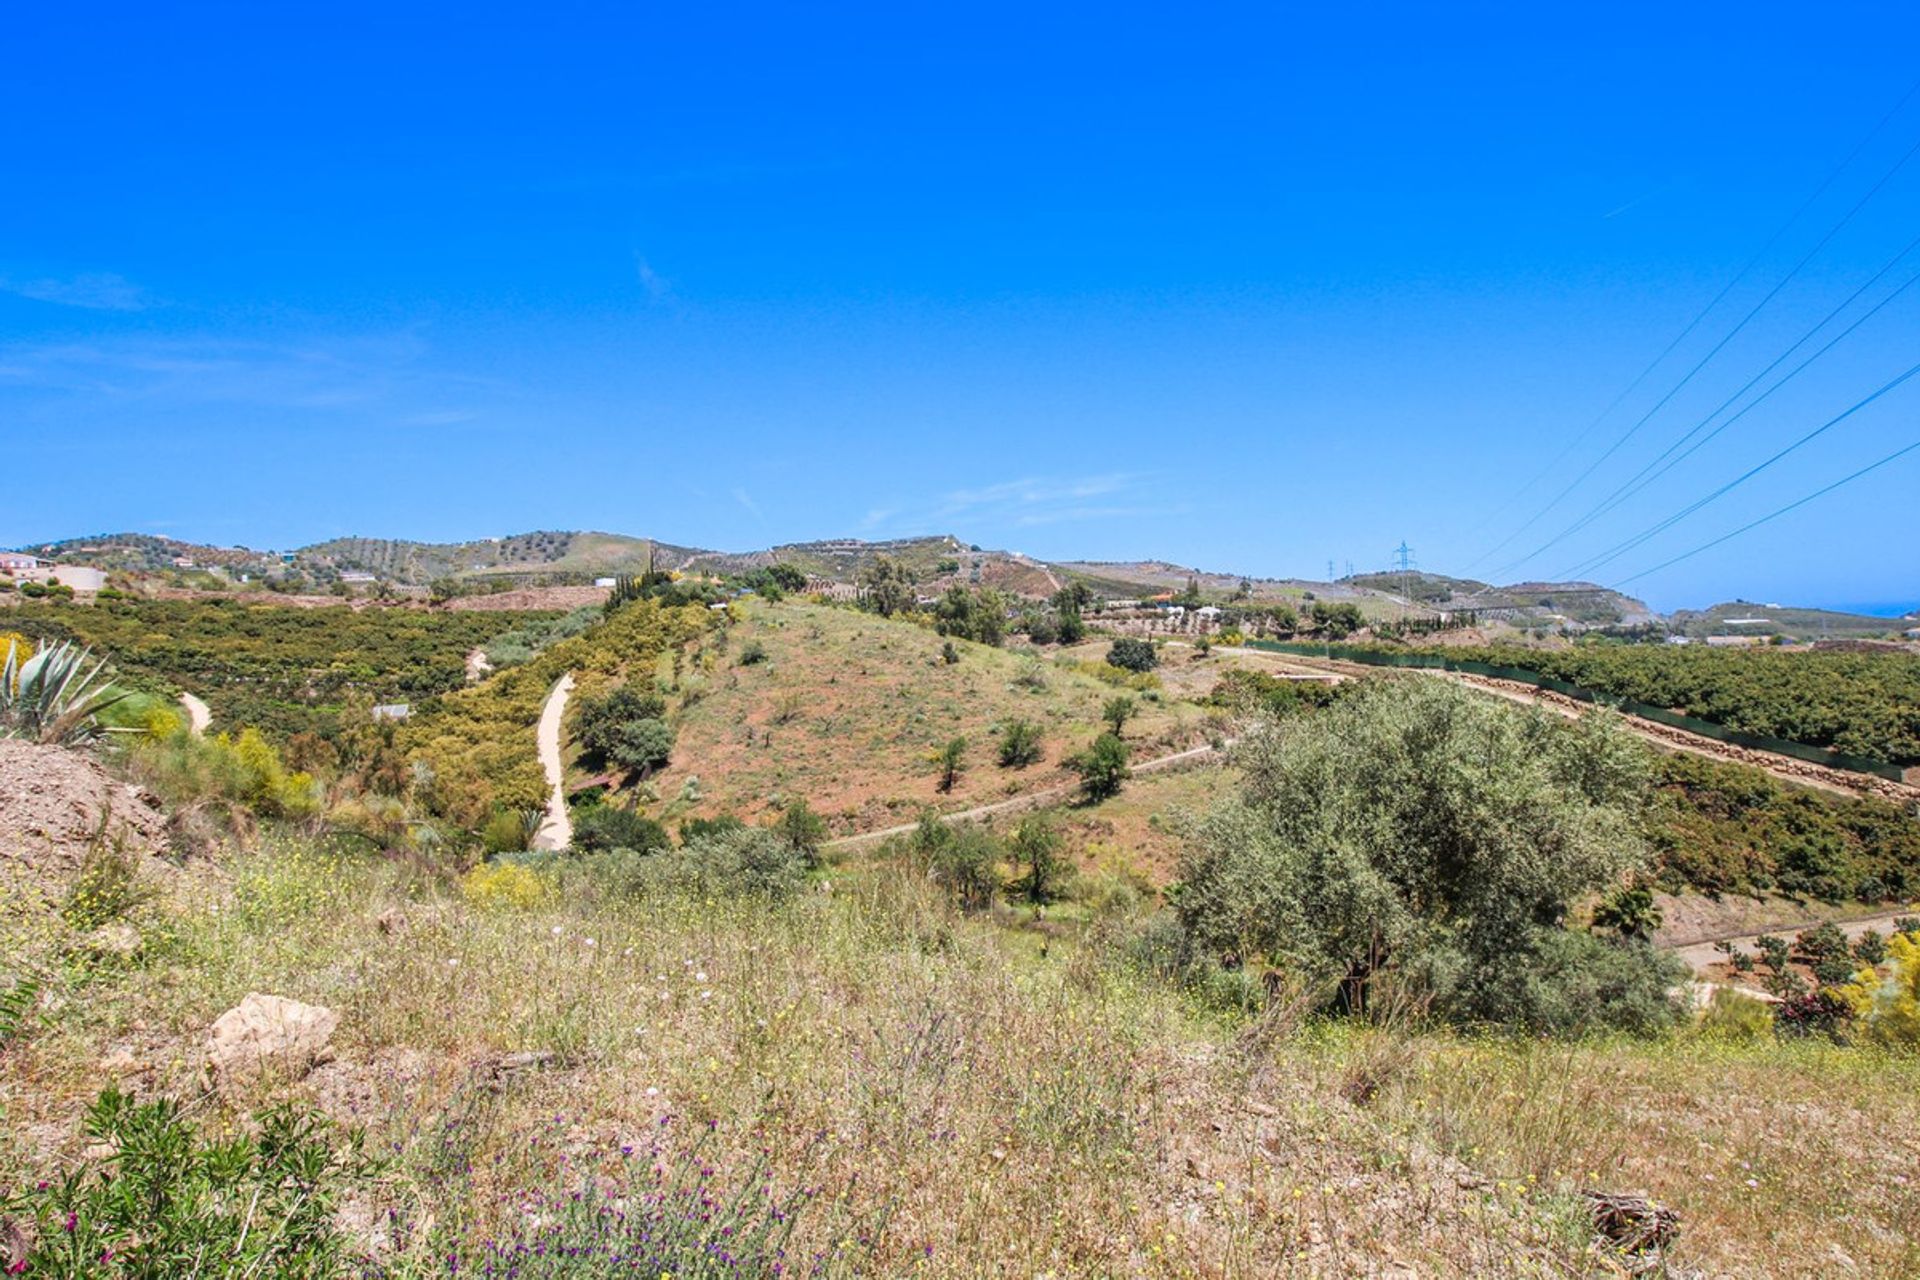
(56, 695)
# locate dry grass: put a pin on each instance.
(986, 1111)
(847, 708)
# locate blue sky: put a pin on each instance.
(1248, 288)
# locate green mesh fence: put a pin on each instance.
(1659, 715)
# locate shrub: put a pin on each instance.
(949, 760)
(736, 862)
(1564, 982)
(1337, 621)
(752, 653)
(509, 832)
(169, 1202)
(949, 654)
(1888, 1008)
(1629, 912)
(1870, 948)
(965, 860)
(698, 828)
(1117, 711)
(503, 884)
(1418, 829)
(652, 1216)
(979, 615)
(1102, 767)
(605, 827)
(803, 830)
(1810, 1013)
(1019, 744)
(1129, 654)
(1036, 845)
(1735, 1017)
(107, 889)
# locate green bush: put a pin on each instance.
(743, 862)
(1420, 832)
(1133, 655)
(804, 830)
(1019, 744)
(1102, 767)
(604, 827)
(1736, 1018)
(169, 1202)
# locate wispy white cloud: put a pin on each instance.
(1025, 502)
(93, 290)
(658, 287)
(745, 499)
(386, 375)
(1031, 498)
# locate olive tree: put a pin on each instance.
(1423, 833)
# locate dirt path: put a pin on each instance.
(1703, 954)
(1032, 800)
(199, 715)
(478, 668)
(556, 829)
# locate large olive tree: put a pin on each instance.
(1436, 837)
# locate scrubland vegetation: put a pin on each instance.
(281, 671)
(1391, 1010)
(1860, 703)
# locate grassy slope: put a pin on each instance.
(866, 701)
(1016, 1115)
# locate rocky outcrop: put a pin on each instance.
(269, 1036)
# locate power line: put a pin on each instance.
(1594, 562)
(1773, 515)
(1695, 322)
(1718, 346)
(1753, 471)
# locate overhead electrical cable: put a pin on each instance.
(1594, 561)
(1753, 471)
(1695, 323)
(1772, 515)
(1718, 347)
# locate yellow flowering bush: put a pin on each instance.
(502, 884)
(1888, 1007)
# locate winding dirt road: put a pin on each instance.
(556, 829)
(1032, 800)
(199, 715)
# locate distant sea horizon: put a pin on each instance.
(1877, 609)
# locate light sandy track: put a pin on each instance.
(556, 829)
(1704, 953)
(199, 716)
(1031, 800)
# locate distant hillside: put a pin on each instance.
(1743, 617)
(146, 553)
(1422, 588)
(545, 552)
(1586, 603)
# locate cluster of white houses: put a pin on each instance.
(21, 567)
